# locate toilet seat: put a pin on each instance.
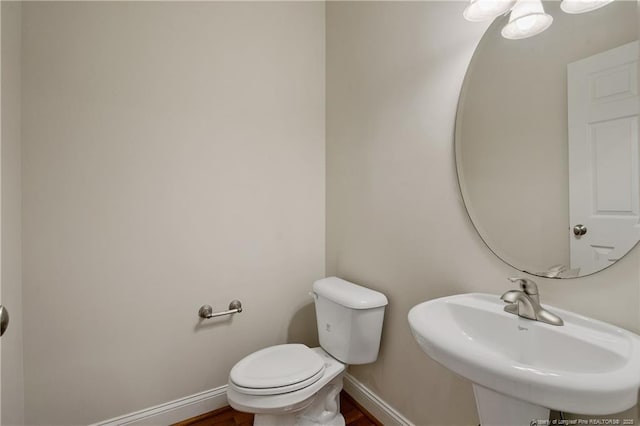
(277, 370)
(289, 402)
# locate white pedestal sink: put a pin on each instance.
(522, 368)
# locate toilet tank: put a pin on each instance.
(349, 320)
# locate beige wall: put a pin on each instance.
(11, 369)
(180, 161)
(173, 156)
(395, 221)
(514, 150)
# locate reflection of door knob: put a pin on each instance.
(4, 319)
(579, 230)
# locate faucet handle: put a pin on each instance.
(529, 287)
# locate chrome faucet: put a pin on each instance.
(526, 303)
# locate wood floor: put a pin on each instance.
(354, 415)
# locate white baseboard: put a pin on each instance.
(204, 402)
(386, 414)
(174, 411)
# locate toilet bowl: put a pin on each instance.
(291, 398)
(294, 385)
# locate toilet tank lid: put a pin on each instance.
(348, 294)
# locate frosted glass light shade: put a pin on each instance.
(527, 19)
(484, 10)
(582, 6)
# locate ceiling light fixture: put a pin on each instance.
(527, 19)
(484, 10)
(582, 6)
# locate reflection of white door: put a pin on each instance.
(604, 183)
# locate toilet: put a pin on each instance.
(292, 384)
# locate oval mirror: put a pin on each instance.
(547, 142)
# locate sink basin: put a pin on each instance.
(585, 366)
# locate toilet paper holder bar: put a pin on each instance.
(206, 311)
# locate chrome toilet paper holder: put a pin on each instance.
(206, 311)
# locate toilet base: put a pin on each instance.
(324, 410)
(292, 420)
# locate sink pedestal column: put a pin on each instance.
(496, 409)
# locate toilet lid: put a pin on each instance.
(278, 366)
